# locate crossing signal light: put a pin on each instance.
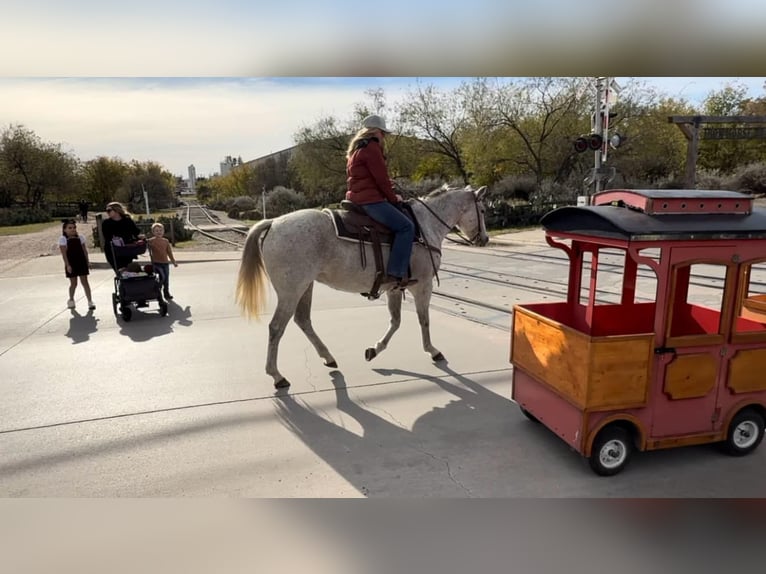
(591, 142)
(581, 144)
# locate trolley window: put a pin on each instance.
(696, 305)
(751, 307)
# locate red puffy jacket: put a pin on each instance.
(368, 180)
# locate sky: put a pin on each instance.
(193, 81)
(182, 121)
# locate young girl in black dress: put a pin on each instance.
(75, 254)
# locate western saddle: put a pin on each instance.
(352, 223)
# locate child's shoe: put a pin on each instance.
(70, 303)
(91, 305)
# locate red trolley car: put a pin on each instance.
(682, 362)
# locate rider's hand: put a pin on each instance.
(399, 198)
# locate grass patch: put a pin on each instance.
(28, 228)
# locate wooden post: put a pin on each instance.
(692, 151)
(172, 233)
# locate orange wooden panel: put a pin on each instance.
(552, 353)
(691, 376)
(620, 369)
(747, 371)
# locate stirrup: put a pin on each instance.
(404, 283)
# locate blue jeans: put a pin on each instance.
(163, 272)
(404, 230)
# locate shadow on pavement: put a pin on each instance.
(146, 323)
(81, 326)
(388, 459)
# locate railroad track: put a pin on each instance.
(197, 215)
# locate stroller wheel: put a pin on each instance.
(163, 309)
(115, 303)
(127, 313)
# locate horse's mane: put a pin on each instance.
(440, 191)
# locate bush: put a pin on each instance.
(251, 215)
(750, 178)
(712, 179)
(22, 216)
(515, 187)
(282, 200)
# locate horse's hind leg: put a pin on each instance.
(303, 320)
(394, 299)
(422, 296)
(285, 309)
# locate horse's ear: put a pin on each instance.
(481, 192)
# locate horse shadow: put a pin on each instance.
(388, 460)
(81, 326)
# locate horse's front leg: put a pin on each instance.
(422, 296)
(394, 299)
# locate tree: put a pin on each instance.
(150, 177)
(542, 115)
(437, 118)
(102, 177)
(34, 171)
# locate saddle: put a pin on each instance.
(352, 223)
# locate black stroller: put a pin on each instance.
(134, 284)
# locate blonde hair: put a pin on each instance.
(118, 207)
(158, 225)
(360, 135)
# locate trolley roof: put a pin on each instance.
(659, 215)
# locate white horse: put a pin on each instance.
(301, 247)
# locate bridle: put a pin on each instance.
(465, 240)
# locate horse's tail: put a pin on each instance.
(251, 283)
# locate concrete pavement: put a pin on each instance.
(181, 406)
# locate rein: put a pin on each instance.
(465, 240)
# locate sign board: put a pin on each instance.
(734, 133)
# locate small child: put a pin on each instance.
(161, 253)
(76, 264)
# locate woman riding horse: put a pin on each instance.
(370, 188)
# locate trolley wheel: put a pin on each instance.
(127, 313)
(529, 415)
(163, 309)
(611, 451)
(115, 303)
(745, 433)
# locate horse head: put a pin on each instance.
(471, 221)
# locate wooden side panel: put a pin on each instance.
(691, 376)
(747, 371)
(552, 353)
(620, 370)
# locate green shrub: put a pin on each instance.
(22, 216)
(750, 178)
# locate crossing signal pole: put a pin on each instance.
(598, 140)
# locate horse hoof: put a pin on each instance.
(437, 358)
(282, 384)
(370, 354)
(331, 364)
